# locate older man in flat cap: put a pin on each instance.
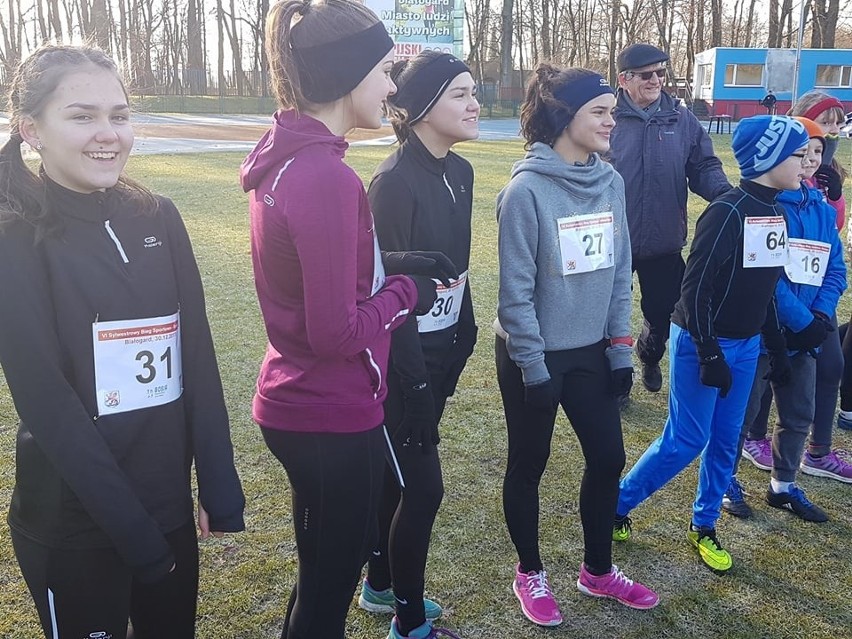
(660, 149)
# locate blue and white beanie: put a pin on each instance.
(763, 142)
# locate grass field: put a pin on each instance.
(790, 579)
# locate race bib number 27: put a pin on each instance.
(137, 363)
(586, 242)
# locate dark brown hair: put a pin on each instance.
(22, 192)
(540, 107)
(306, 23)
(398, 116)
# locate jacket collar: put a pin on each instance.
(89, 207)
(415, 147)
(761, 193)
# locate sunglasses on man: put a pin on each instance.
(646, 75)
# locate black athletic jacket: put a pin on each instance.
(120, 480)
(720, 298)
(424, 203)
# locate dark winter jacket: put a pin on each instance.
(424, 203)
(90, 480)
(658, 159)
(719, 296)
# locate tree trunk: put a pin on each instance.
(220, 29)
(196, 77)
(506, 28)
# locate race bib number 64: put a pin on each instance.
(137, 363)
(765, 242)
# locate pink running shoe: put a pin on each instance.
(758, 452)
(832, 466)
(537, 603)
(616, 586)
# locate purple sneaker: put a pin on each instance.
(758, 452)
(537, 602)
(832, 466)
(615, 585)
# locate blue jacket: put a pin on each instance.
(810, 217)
(658, 159)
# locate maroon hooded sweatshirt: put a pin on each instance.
(319, 279)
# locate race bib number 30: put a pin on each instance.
(137, 363)
(808, 261)
(445, 311)
(764, 242)
(585, 242)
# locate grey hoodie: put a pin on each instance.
(539, 309)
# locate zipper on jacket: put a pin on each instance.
(449, 188)
(378, 370)
(116, 241)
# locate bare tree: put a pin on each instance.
(506, 29)
(196, 76)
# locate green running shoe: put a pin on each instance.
(712, 554)
(622, 528)
(383, 601)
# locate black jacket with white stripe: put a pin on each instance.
(720, 298)
(119, 480)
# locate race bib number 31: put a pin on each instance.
(585, 242)
(137, 363)
(764, 242)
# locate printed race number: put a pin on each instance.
(585, 242)
(137, 363)
(445, 311)
(808, 261)
(764, 242)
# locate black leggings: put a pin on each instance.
(846, 380)
(583, 376)
(87, 592)
(406, 516)
(335, 483)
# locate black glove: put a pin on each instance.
(714, 370)
(426, 293)
(811, 336)
(542, 396)
(780, 369)
(622, 381)
(429, 263)
(456, 360)
(830, 181)
(419, 426)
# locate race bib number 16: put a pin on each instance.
(137, 363)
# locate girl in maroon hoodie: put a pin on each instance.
(328, 304)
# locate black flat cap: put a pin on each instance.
(640, 55)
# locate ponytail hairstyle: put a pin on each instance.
(22, 192)
(420, 83)
(811, 99)
(319, 50)
(544, 116)
(398, 116)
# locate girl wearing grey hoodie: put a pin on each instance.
(563, 326)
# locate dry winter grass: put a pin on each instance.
(790, 579)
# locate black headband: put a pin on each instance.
(418, 91)
(574, 95)
(331, 70)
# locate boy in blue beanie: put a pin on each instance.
(807, 296)
(727, 301)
